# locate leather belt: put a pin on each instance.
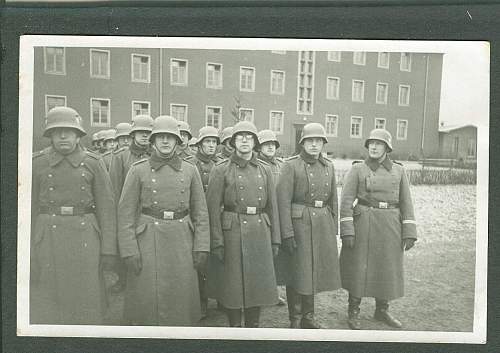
(315, 204)
(66, 210)
(378, 204)
(163, 214)
(244, 210)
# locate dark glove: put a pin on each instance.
(289, 245)
(200, 259)
(407, 244)
(133, 264)
(219, 253)
(348, 241)
(276, 249)
(108, 263)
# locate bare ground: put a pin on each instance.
(439, 283)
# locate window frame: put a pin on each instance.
(54, 96)
(363, 63)
(247, 109)
(140, 102)
(63, 73)
(103, 77)
(307, 59)
(109, 112)
(327, 115)
(330, 58)
(406, 130)
(360, 127)
(388, 60)
(206, 115)
(375, 123)
(186, 109)
(282, 123)
(271, 83)
(363, 92)
(386, 93)
(172, 83)
(337, 97)
(471, 143)
(132, 79)
(221, 76)
(253, 80)
(409, 62)
(399, 96)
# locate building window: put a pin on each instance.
(332, 87)
(404, 95)
(359, 58)
(141, 68)
(471, 148)
(331, 124)
(179, 111)
(214, 76)
(141, 108)
(334, 55)
(277, 82)
(379, 123)
(402, 129)
(276, 121)
(247, 79)
(214, 117)
(305, 82)
(405, 64)
(381, 94)
(356, 126)
(52, 101)
(100, 111)
(383, 60)
(358, 90)
(246, 114)
(281, 52)
(55, 60)
(99, 63)
(178, 72)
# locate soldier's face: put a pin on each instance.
(185, 137)
(208, 145)
(244, 142)
(142, 137)
(109, 145)
(313, 146)
(268, 149)
(124, 141)
(165, 143)
(227, 143)
(64, 139)
(376, 149)
(193, 148)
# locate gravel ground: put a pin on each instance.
(439, 283)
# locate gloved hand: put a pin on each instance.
(407, 244)
(108, 263)
(276, 249)
(348, 241)
(133, 264)
(200, 259)
(289, 244)
(219, 253)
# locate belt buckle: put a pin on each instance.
(383, 205)
(318, 204)
(251, 210)
(168, 215)
(66, 211)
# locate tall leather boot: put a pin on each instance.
(293, 300)
(308, 320)
(252, 316)
(382, 314)
(202, 287)
(234, 316)
(353, 312)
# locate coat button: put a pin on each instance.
(259, 220)
(239, 176)
(260, 187)
(157, 223)
(50, 175)
(83, 187)
(154, 191)
(51, 189)
(244, 222)
(260, 198)
(241, 187)
(54, 226)
(153, 180)
(155, 202)
(314, 213)
(242, 199)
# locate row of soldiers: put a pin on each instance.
(230, 225)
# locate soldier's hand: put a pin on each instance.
(348, 241)
(289, 245)
(219, 253)
(108, 263)
(407, 244)
(133, 264)
(200, 259)
(276, 249)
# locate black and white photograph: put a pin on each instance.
(253, 188)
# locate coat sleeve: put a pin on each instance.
(284, 192)
(105, 208)
(333, 203)
(409, 225)
(127, 214)
(215, 195)
(199, 213)
(272, 207)
(116, 174)
(349, 194)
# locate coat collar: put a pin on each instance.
(74, 158)
(310, 159)
(173, 161)
(139, 150)
(374, 164)
(226, 152)
(205, 158)
(271, 160)
(243, 162)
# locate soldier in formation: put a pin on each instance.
(109, 143)
(123, 137)
(377, 225)
(225, 146)
(193, 145)
(73, 227)
(183, 149)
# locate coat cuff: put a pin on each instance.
(346, 226)
(409, 229)
(287, 235)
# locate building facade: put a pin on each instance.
(350, 93)
(458, 142)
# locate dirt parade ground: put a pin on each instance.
(439, 273)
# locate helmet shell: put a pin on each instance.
(123, 129)
(142, 122)
(96, 137)
(244, 126)
(183, 126)
(313, 130)
(268, 136)
(208, 131)
(165, 124)
(63, 117)
(380, 135)
(193, 142)
(226, 134)
(108, 134)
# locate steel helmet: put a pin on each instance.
(313, 130)
(226, 134)
(268, 136)
(165, 124)
(380, 135)
(108, 134)
(183, 126)
(95, 137)
(208, 131)
(244, 126)
(193, 142)
(100, 135)
(63, 117)
(123, 129)
(142, 122)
